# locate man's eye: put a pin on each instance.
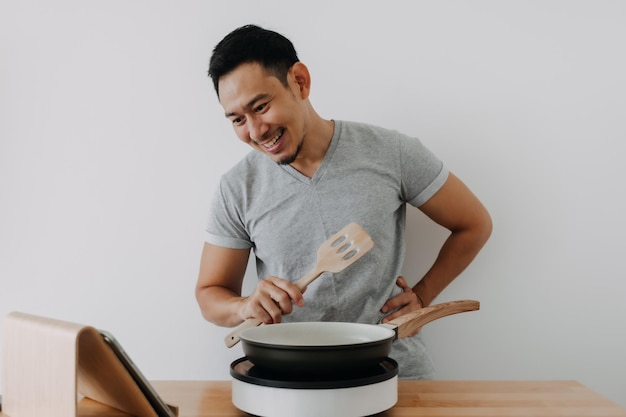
(237, 121)
(260, 107)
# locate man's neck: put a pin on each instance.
(315, 146)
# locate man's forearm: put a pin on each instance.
(220, 306)
(458, 251)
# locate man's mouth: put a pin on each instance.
(269, 145)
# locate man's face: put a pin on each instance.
(265, 114)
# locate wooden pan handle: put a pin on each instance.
(409, 324)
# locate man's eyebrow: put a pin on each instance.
(260, 96)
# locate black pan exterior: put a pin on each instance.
(316, 359)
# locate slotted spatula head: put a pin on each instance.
(344, 248)
(338, 252)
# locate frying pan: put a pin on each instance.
(337, 347)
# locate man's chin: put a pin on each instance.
(287, 160)
(290, 159)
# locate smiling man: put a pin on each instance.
(274, 118)
(306, 178)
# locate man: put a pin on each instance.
(306, 179)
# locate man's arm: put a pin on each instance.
(457, 209)
(218, 290)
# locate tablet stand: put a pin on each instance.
(48, 364)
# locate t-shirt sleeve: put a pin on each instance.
(423, 173)
(225, 226)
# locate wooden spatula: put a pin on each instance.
(342, 249)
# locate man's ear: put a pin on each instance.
(299, 73)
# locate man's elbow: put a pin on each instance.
(201, 298)
(484, 228)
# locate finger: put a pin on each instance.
(409, 304)
(396, 314)
(400, 299)
(401, 282)
(283, 301)
(254, 309)
(293, 292)
(397, 301)
(273, 309)
(284, 294)
(406, 288)
(262, 305)
(278, 304)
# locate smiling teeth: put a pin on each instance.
(273, 142)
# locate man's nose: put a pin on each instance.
(257, 129)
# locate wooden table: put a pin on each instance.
(415, 398)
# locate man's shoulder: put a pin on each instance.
(356, 126)
(252, 163)
(362, 130)
(370, 140)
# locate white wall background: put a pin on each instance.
(111, 140)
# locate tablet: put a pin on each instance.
(160, 407)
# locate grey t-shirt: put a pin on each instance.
(367, 176)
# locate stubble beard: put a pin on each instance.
(290, 159)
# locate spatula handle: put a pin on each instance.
(233, 337)
(311, 276)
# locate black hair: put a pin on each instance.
(252, 43)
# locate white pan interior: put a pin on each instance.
(317, 334)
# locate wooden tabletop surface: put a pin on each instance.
(415, 398)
